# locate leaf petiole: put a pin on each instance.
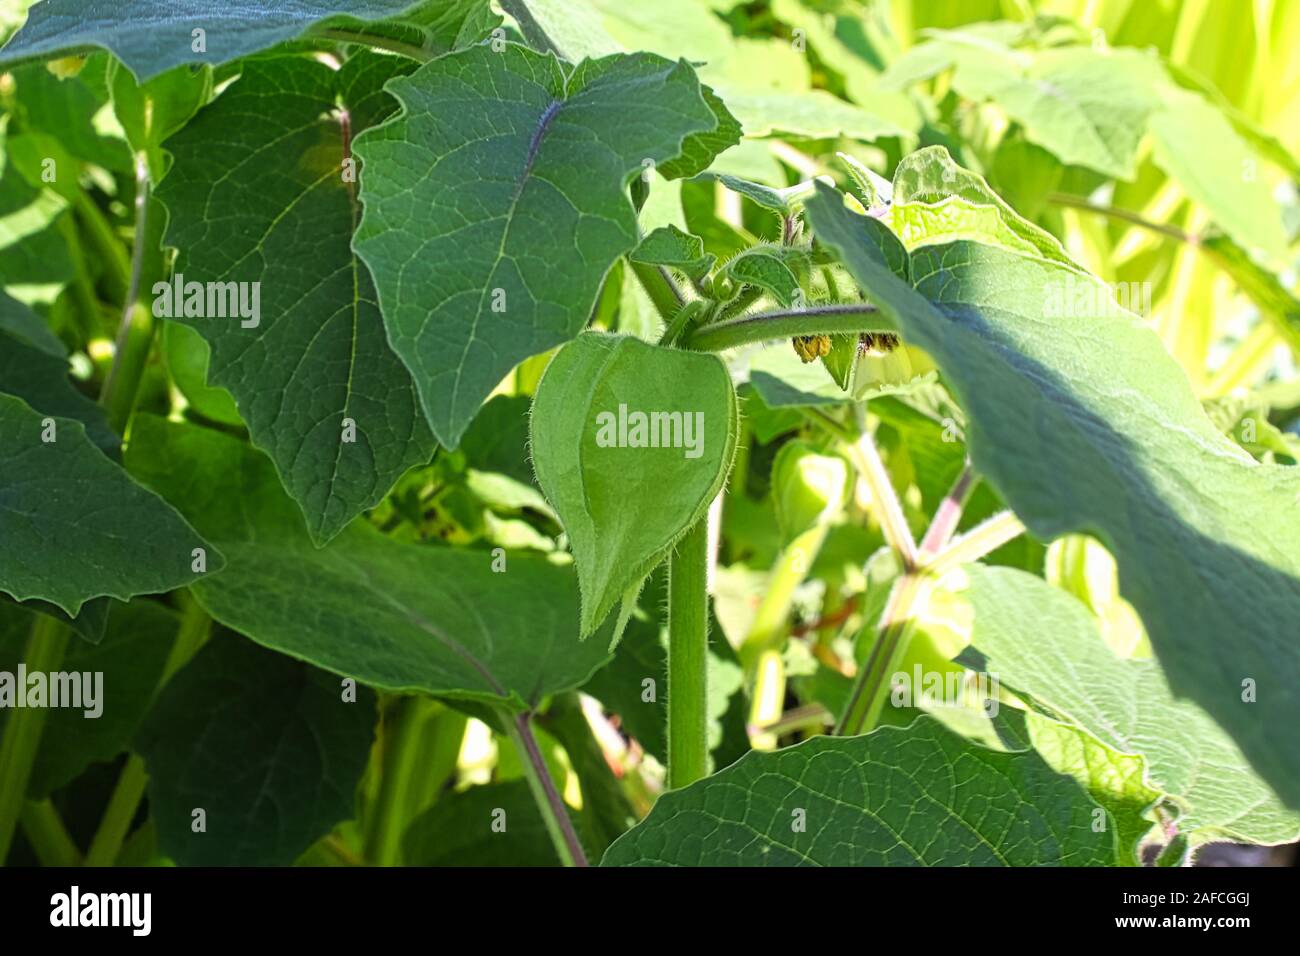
(553, 809)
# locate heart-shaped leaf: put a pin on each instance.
(313, 374)
(496, 202)
(631, 443)
(918, 796)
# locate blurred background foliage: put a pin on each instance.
(802, 570)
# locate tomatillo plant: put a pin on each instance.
(452, 433)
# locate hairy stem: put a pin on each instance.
(22, 735)
(659, 286)
(548, 799)
(981, 540)
(688, 654)
(786, 323)
(944, 524)
(893, 523)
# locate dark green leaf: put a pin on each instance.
(74, 526)
(257, 173)
(400, 617)
(151, 36)
(896, 797)
(267, 747)
(497, 201)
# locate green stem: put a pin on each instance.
(116, 821)
(659, 286)
(908, 599)
(983, 539)
(378, 42)
(135, 335)
(893, 523)
(784, 324)
(47, 835)
(81, 288)
(22, 736)
(129, 790)
(948, 516)
(686, 316)
(411, 724)
(548, 799)
(894, 632)
(108, 247)
(530, 28)
(769, 624)
(1123, 215)
(767, 699)
(688, 655)
(812, 718)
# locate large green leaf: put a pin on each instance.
(73, 526)
(257, 173)
(1042, 642)
(496, 202)
(631, 442)
(268, 748)
(1086, 424)
(919, 795)
(121, 674)
(151, 36)
(401, 617)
